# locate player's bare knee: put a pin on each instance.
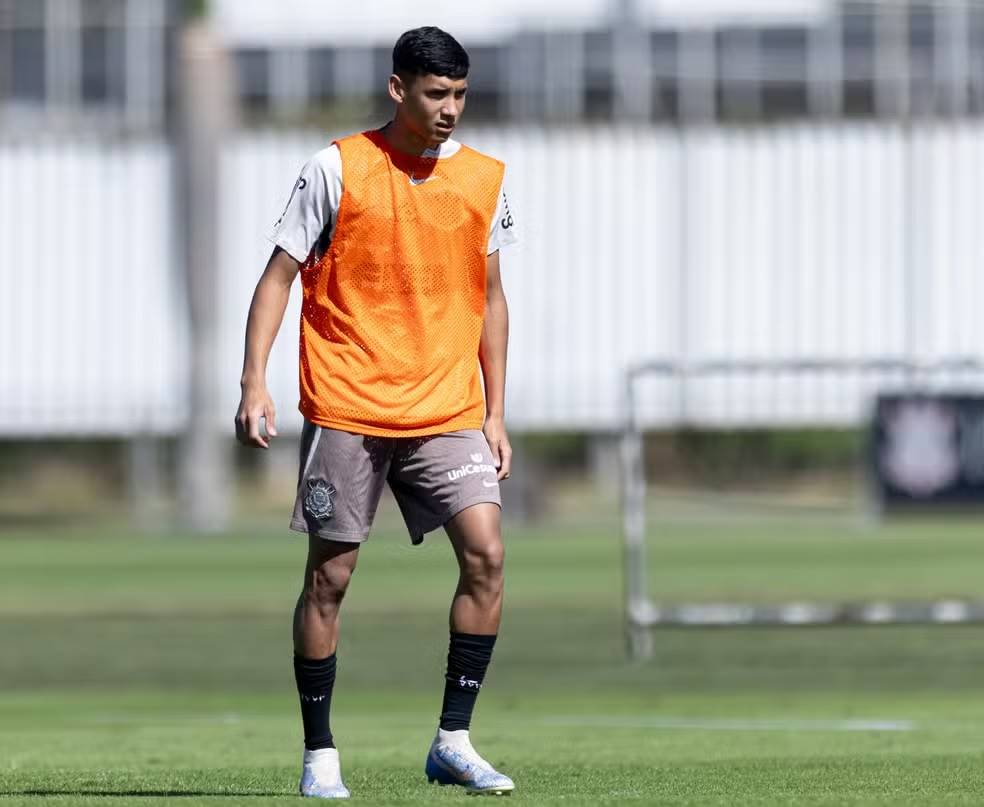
(328, 585)
(483, 567)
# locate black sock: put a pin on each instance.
(468, 659)
(315, 681)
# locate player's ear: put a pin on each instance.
(397, 88)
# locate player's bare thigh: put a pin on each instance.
(476, 528)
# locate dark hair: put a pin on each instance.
(429, 51)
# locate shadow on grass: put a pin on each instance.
(147, 793)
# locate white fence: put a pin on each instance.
(840, 241)
(92, 329)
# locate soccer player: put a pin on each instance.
(396, 235)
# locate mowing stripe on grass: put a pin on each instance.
(713, 724)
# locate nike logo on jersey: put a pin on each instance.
(507, 220)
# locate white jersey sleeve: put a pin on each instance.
(503, 231)
(309, 219)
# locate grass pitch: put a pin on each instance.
(140, 669)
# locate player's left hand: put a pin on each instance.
(495, 432)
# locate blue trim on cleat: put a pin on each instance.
(435, 773)
(449, 766)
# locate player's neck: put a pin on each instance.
(404, 139)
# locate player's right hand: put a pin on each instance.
(255, 404)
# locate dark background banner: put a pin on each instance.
(929, 449)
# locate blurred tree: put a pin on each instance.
(195, 8)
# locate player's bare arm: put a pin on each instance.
(492, 356)
(266, 312)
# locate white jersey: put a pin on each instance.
(312, 210)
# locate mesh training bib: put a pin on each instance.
(393, 311)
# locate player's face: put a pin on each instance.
(430, 105)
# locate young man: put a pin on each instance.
(395, 233)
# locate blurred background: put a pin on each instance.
(723, 181)
(745, 368)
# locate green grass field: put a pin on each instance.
(153, 669)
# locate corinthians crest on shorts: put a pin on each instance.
(318, 503)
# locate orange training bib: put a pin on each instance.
(393, 311)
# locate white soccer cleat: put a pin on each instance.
(321, 776)
(453, 761)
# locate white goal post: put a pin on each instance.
(642, 614)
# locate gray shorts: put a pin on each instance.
(433, 479)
